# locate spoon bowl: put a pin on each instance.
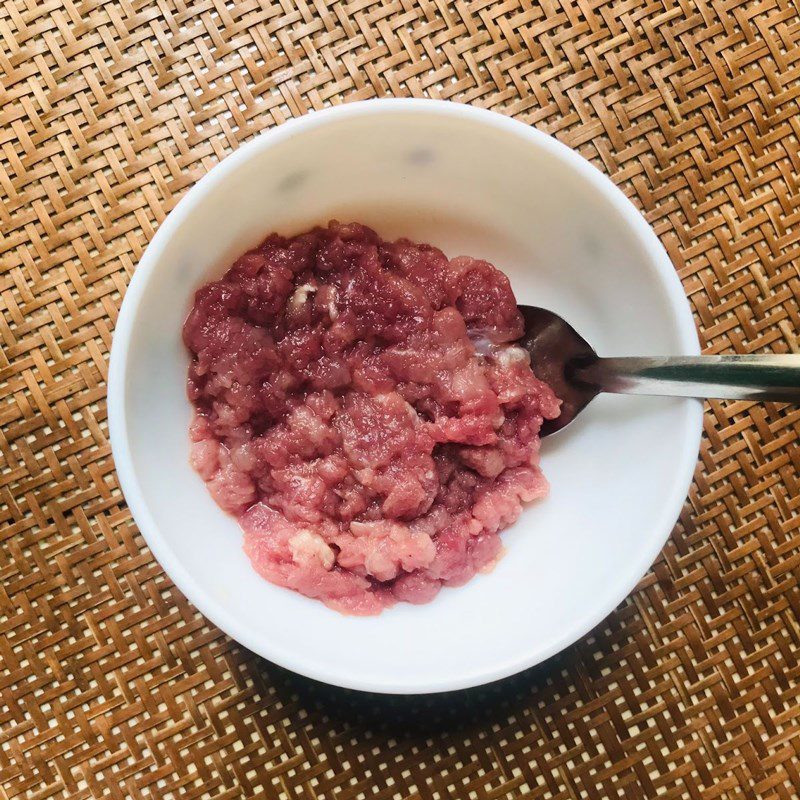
(554, 347)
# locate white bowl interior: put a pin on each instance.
(568, 242)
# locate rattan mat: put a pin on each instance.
(111, 684)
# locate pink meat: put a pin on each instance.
(360, 408)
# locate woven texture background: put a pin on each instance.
(111, 684)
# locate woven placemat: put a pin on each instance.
(111, 684)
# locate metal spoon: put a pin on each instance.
(562, 358)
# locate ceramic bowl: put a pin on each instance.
(471, 182)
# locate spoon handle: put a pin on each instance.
(757, 377)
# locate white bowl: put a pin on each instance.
(472, 182)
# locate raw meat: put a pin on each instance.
(361, 408)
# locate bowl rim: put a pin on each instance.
(663, 524)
